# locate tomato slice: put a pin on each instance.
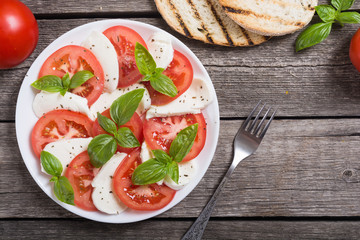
(181, 72)
(59, 124)
(161, 131)
(146, 197)
(80, 173)
(124, 39)
(134, 124)
(72, 59)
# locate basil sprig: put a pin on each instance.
(155, 169)
(52, 83)
(62, 187)
(147, 67)
(329, 14)
(103, 147)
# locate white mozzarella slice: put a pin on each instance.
(197, 97)
(105, 53)
(187, 171)
(45, 102)
(67, 149)
(106, 99)
(103, 194)
(161, 49)
(146, 154)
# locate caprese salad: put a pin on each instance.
(120, 122)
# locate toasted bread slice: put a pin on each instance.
(270, 17)
(205, 20)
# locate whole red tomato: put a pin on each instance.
(19, 33)
(354, 51)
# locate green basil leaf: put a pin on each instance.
(66, 81)
(342, 5)
(79, 78)
(173, 171)
(126, 138)
(163, 84)
(144, 60)
(313, 35)
(48, 83)
(183, 142)
(107, 124)
(349, 17)
(63, 190)
(51, 164)
(326, 12)
(151, 171)
(101, 149)
(123, 108)
(162, 155)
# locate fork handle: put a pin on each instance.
(197, 229)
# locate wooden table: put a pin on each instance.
(303, 182)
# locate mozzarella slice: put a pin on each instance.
(187, 171)
(197, 97)
(103, 195)
(161, 49)
(66, 150)
(106, 99)
(146, 154)
(45, 102)
(105, 53)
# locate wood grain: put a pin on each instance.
(303, 168)
(173, 229)
(317, 82)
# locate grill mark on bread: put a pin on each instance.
(197, 15)
(218, 19)
(179, 18)
(248, 39)
(267, 17)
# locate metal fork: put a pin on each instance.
(246, 141)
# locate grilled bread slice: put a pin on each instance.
(270, 17)
(205, 20)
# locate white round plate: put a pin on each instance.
(26, 119)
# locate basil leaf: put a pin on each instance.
(66, 81)
(63, 190)
(173, 171)
(126, 138)
(79, 78)
(342, 5)
(313, 35)
(160, 154)
(101, 149)
(151, 171)
(164, 85)
(144, 60)
(326, 12)
(183, 142)
(349, 17)
(106, 124)
(48, 83)
(123, 108)
(51, 164)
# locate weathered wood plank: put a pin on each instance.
(317, 82)
(173, 229)
(303, 168)
(98, 7)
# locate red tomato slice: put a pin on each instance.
(124, 40)
(181, 72)
(72, 59)
(146, 197)
(80, 173)
(59, 124)
(134, 124)
(160, 132)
